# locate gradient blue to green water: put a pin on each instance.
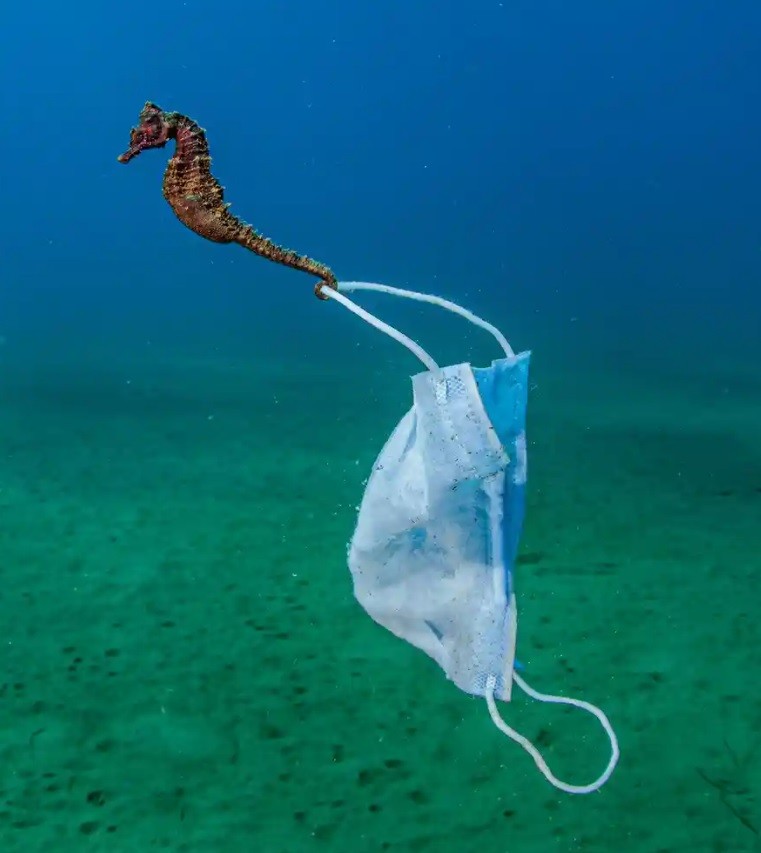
(186, 431)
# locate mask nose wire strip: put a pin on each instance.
(398, 336)
(534, 752)
(350, 286)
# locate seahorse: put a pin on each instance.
(197, 197)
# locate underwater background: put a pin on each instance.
(185, 431)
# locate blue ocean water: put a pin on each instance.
(576, 164)
(588, 177)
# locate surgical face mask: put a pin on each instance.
(439, 525)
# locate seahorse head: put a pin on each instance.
(154, 130)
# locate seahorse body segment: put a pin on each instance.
(197, 198)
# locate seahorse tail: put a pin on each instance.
(250, 239)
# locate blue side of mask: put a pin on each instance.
(504, 391)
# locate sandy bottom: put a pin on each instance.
(184, 667)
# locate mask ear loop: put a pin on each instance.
(337, 294)
(534, 752)
(378, 324)
(350, 286)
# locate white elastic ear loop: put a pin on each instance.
(534, 752)
(349, 286)
(414, 348)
